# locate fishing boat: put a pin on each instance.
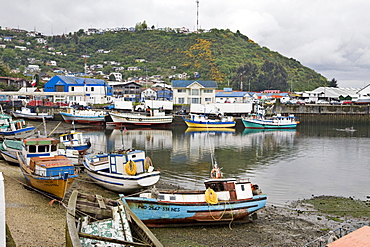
(154, 117)
(96, 221)
(123, 171)
(75, 141)
(190, 130)
(209, 121)
(348, 129)
(224, 200)
(12, 129)
(28, 113)
(259, 121)
(43, 168)
(84, 116)
(8, 150)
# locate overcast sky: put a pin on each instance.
(331, 37)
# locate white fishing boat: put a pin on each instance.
(123, 171)
(153, 117)
(84, 116)
(12, 129)
(28, 113)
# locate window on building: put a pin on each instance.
(195, 100)
(195, 92)
(208, 99)
(72, 89)
(208, 91)
(181, 101)
(92, 89)
(181, 90)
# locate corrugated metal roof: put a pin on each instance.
(186, 83)
(358, 238)
(231, 94)
(79, 80)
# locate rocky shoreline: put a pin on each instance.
(36, 220)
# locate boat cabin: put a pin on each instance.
(115, 162)
(36, 146)
(56, 166)
(230, 189)
(72, 138)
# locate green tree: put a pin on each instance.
(333, 83)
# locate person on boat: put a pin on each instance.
(148, 110)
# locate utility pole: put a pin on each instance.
(197, 13)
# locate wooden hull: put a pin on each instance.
(209, 124)
(96, 120)
(19, 134)
(9, 157)
(123, 183)
(55, 186)
(156, 213)
(34, 116)
(105, 222)
(140, 120)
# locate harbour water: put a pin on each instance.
(287, 164)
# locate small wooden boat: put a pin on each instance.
(123, 171)
(43, 168)
(259, 121)
(84, 116)
(223, 201)
(14, 129)
(209, 121)
(8, 150)
(28, 113)
(155, 117)
(97, 221)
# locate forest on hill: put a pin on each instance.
(230, 58)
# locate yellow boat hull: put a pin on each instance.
(56, 187)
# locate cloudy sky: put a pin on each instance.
(331, 37)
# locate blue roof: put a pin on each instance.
(79, 80)
(231, 94)
(186, 83)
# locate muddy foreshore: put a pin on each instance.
(34, 220)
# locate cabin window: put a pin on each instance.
(43, 149)
(92, 89)
(32, 149)
(172, 198)
(72, 89)
(242, 187)
(113, 168)
(161, 197)
(54, 147)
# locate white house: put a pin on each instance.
(193, 92)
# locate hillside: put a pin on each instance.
(219, 55)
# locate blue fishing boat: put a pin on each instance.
(223, 201)
(259, 121)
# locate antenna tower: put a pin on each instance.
(197, 1)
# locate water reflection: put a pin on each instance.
(287, 164)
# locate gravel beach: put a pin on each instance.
(34, 220)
